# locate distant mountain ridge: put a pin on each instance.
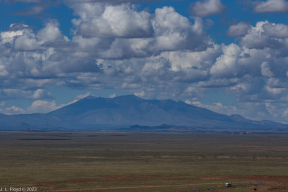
(125, 111)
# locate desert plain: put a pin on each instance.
(146, 162)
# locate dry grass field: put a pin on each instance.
(146, 162)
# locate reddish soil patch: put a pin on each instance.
(111, 178)
(211, 178)
(136, 187)
(263, 177)
(23, 179)
(236, 163)
(268, 183)
(278, 188)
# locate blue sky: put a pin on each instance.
(227, 56)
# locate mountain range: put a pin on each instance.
(95, 113)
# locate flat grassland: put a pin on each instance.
(131, 162)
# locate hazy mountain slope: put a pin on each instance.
(82, 106)
(18, 122)
(128, 110)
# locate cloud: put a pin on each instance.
(37, 8)
(21, 37)
(259, 37)
(79, 63)
(238, 30)
(276, 30)
(174, 32)
(251, 110)
(270, 6)
(117, 21)
(26, 42)
(265, 70)
(40, 106)
(216, 107)
(22, 94)
(42, 94)
(226, 65)
(112, 95)
(105, 1)
(15, 29)
(207, 8)
(168, 56)
(12, 110)
(23, 1)
(140, 94)
(51, 32)
(170, 30)
(33, 10)
(2, 104)
(247, 86)
(167, 30)
(208, 23)
(277, 82)
(255, 90)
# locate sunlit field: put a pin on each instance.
(131, 162)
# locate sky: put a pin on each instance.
(227, 56)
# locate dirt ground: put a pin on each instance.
(151, 162)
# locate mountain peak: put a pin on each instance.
(128, 110)
(128, 98)
(238, 118)
(90, 97)
(132, 96)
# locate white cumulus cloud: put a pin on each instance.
(40, 106)
(238, 30)
(207, 8)
(117, 21)
(270, 6)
